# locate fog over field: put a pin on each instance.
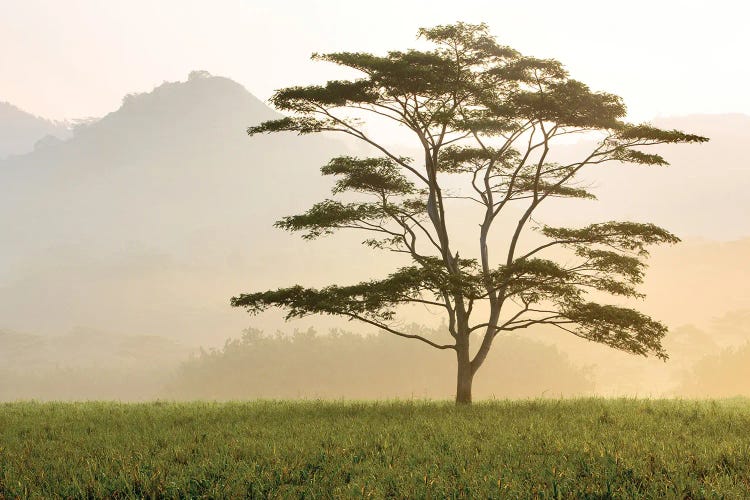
(124, 238)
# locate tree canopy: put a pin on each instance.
(484, 112)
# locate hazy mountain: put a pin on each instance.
(149, 219)
(20, 131)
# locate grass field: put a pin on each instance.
(548, 449)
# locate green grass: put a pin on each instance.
(571, 448)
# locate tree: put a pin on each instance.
(490, 116)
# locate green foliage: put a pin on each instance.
(621, 236)
(618, 327)
(334, 93)
(527, 185)
(411, 71)
(568, 103)
(466, 159)
(585, 448)
(328, 215)
(380, 176)
(374, 299)
(648, 132)
(301, 125)
(634, 156)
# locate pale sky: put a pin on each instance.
(77, 58)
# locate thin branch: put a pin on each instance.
(400, 334)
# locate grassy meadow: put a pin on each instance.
(592, 448)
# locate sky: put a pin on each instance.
(78, 58)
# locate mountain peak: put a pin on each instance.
(204, 105)
(201, 89)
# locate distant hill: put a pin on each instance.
(21, 131)
(135, 222)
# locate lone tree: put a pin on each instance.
(490, 116)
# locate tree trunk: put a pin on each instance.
(465, 376)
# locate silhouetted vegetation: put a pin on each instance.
(725, 374)
(346, 365)
(723, 369)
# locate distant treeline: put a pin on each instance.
(725, 374)
(84, 364)
(347, 365)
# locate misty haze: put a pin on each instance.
(420, 263)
